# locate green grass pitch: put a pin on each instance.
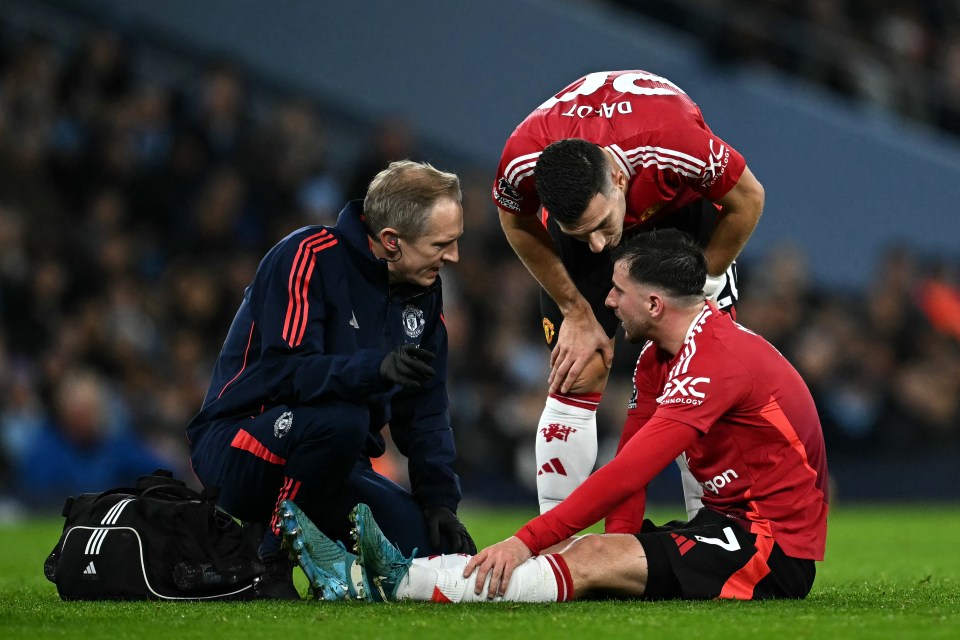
(890, 572)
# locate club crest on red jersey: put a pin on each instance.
(650, 212)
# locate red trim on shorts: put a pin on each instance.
(588, 401)
(243, 440)
(562, 574)
(741, 584)
(684, 543)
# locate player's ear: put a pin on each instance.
(654, 305)
(390, 239)
(619, 177)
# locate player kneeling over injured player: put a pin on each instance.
(706, 388)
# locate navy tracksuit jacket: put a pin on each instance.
(296, 403)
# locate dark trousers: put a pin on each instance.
(313, 456)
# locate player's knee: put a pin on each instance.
(586, 549)
(584, 557)
(350, 436)
(605, 562)
(340, 426)
(593, 378)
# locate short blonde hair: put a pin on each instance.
(402, 195)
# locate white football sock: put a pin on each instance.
(539, 579)
(444, 561)
(566, 446)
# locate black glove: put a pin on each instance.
(447, 533)
(407, 366)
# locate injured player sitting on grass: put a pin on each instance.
(706, 388)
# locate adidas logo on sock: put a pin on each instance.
(553, 466)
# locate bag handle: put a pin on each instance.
(175, 490)
(158, 477)
(171, 490)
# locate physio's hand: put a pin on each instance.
(498, 561)
(580, 336)
(447, 533)
(407, 366)
(714, 285)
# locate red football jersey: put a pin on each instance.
(755, 446)
(655, 132)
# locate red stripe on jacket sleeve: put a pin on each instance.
(298, 285)
(295, 272)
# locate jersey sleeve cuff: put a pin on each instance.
(527, 538)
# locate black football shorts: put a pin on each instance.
(714, 557)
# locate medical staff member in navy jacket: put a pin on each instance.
(340, 334)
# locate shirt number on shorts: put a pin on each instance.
(730, 544)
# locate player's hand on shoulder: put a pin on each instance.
(497, 562)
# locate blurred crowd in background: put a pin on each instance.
(899, 55)
(134, 213)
